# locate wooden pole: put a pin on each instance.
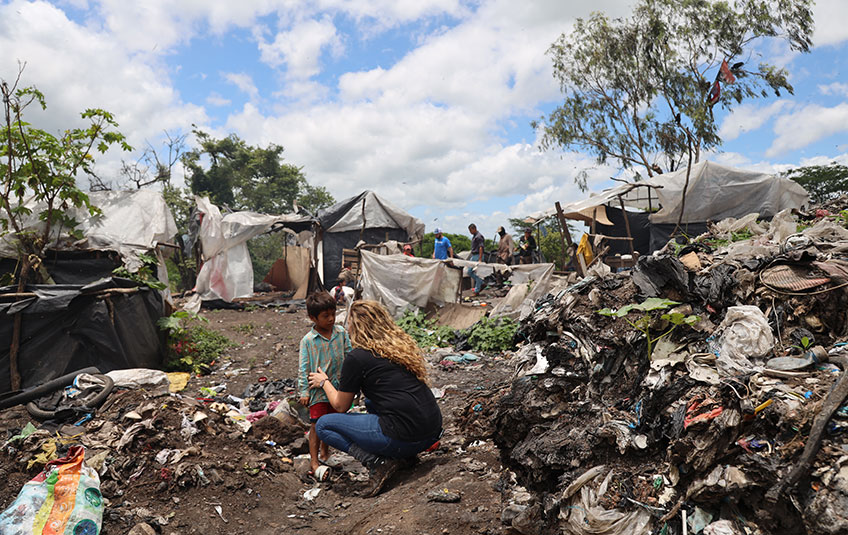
(626, 223)
(561, 217)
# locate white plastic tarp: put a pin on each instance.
(716, 192)
(529, 282)
(131, 222)
(403, 282)
(227, 271)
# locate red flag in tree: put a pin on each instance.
(726, 73)
(714, 94)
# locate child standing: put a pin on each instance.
(324, 346)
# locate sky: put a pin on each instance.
(426, 102)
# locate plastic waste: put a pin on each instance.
(744, 334)
(814, 356)
(64, 498)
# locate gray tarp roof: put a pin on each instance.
(378, 213)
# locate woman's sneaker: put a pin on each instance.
(379, 472)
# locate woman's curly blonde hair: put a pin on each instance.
(370, 327)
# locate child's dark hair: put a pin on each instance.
(319, 302)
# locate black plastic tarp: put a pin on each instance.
(66, 328)
(334, 242)
(640, 231)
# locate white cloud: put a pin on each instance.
(300, 48)
(243, 82)
(749, 117)
(807, 125)
(829, 17)
(836, 88)
(214, 99)
(79, 67)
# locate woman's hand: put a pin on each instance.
(316, 379)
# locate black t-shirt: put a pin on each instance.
(477, 241)
(406, 406)
(531, 245)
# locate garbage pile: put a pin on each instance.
(145, 442)
(703, 392)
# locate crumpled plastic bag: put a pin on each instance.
(64, 498)
(583, 514)
(744, 334)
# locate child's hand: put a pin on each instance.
(304, 401)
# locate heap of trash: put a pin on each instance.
(702, 392)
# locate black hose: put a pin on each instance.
(37, 412)
(43, 389)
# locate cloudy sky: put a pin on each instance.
(426, 102)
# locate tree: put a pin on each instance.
(641, 91)
(822, 182)
(40, 169)
(243, 177)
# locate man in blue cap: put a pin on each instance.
(442, 248)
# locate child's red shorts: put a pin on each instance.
(320, 409)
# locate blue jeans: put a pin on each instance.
(478, 282)
(342, 430)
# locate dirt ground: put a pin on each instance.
(260, 488)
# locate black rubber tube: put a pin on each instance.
(36, 412)
(44, 389)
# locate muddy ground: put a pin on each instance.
(260, 487)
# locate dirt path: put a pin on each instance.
(260, 489)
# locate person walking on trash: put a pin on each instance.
(477, 243)
(403, 417)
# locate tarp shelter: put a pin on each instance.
(227, 272)
(367, 218)
(715, 192)
(89, 318)
(404, 283)
(130, 223)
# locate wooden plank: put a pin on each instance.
(579, 265)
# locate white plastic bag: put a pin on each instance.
(744, 334)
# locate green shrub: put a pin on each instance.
(491, 335)
(424, 331)
(192, 347)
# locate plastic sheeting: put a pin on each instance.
(403, 282)
(65, 329)
(716, 192)
(227, 272)
(365, 217)
(132, 222)
(371, 211)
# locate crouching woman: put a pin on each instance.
(387, 366)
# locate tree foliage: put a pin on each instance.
(636, 89)
(822, 182)
(41, 167)
(244, 177)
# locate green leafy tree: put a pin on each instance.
(243, 177)
(822, 182)
(41, 167)
(637, 89)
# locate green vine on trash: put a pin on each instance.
(643, 323)
(145, 275)
(492, 334)
(425, 331)
(192, 347)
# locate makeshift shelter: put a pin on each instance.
(404, 283)
(89, 318)
(365, 218)
(714, 192)
(227, 272)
